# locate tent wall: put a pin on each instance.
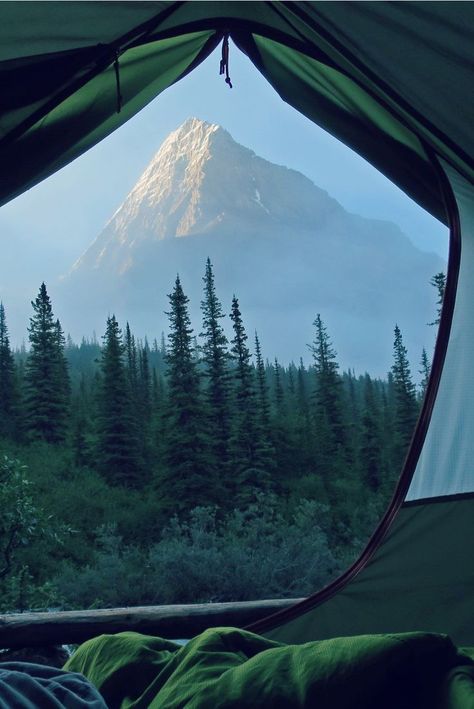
(446, 464)
(422, 574)
(393, 81)
(421, 578)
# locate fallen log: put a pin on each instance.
(173, 621)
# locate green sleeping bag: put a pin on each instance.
(231, 668)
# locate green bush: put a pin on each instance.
(247, 555)
(25, 529)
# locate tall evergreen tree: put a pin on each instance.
(132, 363)
(144, 384)
(216, 359)
(333, 457)
(280, 404)
(186, 482)
(8, 388)
(425, 373)
(251, 451)
(262, 387)
(118, 441)
(406, 405)
(371, 455)
(439, 282)
(64, 384)
(328, 394)
(302, 402)
(46, 375)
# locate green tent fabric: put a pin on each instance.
(57, 67)
(392, 80)
(226, 668)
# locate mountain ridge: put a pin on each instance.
(273, 236)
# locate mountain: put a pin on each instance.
(280, 243)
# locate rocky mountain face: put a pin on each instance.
(282, 245)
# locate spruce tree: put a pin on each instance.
(425, 372)
(439, 282)
(262, 388)
(8, 388)
(371, 455)
(251, 451)
(186, 481)
(280, 404)
(216, 360)
(64, 384)
(144, 384)
(46, 374)
(143, 405)
(284, 432)
(406, 405)
(333, 460)
(328, 393)
(118, 442)
(132, 364)
(302, 401)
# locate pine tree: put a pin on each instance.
(132, 364)
(302, 402)
(262, 388)
(280, 404)
(333, 458)
(406, 405)
(371, 455)
(328, 393)
(251, 451)
(144, 384)
(8, 388)
(46, 374)
(439, 282)
(425, 372)
(216, 359)
(186, 482)
(64, 384)
(118, 442)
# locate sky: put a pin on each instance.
(45, 230)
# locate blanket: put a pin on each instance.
(25, 685)
(228, 668)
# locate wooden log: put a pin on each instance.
(174, 621)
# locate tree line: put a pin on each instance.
(206, 421)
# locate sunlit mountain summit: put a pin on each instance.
(282, 244)
(200, 182)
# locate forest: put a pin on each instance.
(193, 468)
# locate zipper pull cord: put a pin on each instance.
(224, 65)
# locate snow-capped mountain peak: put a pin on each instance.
(199, 179)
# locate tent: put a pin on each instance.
(392, 80)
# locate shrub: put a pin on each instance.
(248, 555)
(24, 529)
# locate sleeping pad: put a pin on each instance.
(228, 668)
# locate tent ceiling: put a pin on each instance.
(372, 73)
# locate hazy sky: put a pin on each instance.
(45, 230)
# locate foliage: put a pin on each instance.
(46, 375)
(118, 447)
(406, 404)
(186, 479)
(251, 451)
(8, 388)
(22, 525)
(439, 282)
(216, 360)
(189, 471)
(252, 553)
